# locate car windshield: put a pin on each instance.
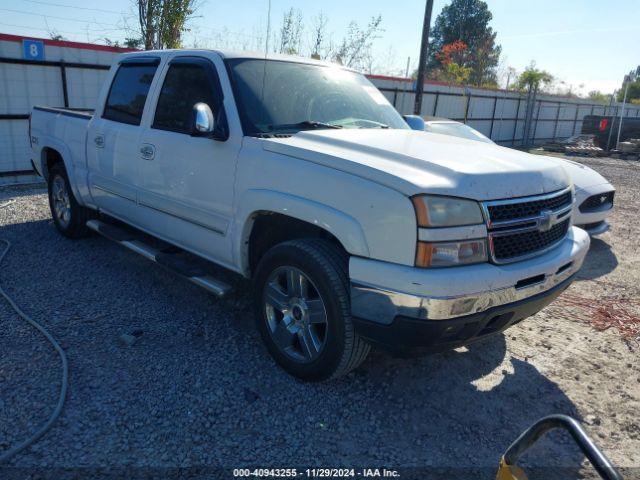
(457, 130)
(285, 97)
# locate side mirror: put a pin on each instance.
(415, 122)
(203, 122)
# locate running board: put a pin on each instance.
(171, 261)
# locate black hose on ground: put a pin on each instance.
(4, 457)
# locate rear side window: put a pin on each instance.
(128, 93)
(185, 85)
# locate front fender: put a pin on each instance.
(341, 225)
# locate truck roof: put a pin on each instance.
(231, 54)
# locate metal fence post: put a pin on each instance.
(435, 104)
(515, 124)
(555, 125)
(466, 110)
(65, 93)
(493, 116)
(535, 125)
(575, 119)
(613, 120)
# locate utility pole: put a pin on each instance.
(632, 77)
(627, 81)
(613, 118)
(422, 65)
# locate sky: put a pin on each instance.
(587, 44)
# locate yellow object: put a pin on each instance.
(510, 472)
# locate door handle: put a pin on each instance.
(147, 151)
(99, 141)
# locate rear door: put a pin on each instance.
(113, 142)
(186, 185)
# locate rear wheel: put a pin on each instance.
(69, 217)
(303, 311)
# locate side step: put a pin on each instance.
(172, 261)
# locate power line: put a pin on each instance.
(22, 12)
(29, 27)
(73, 6)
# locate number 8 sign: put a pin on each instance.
(33, 49)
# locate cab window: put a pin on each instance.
(128, 93)
(185, 84)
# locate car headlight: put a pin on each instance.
(435, 211)
(442, 212)
(451, 254)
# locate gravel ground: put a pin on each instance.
(199, 390)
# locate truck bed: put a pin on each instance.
(66, 129)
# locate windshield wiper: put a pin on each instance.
(305, 125)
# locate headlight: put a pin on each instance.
(434, 211)
(451, 254)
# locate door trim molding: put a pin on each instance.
(112, 192)
(180, 217)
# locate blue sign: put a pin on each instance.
(33, 49)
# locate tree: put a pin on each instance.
(355, 49)
(162, 22)
(467, 21)
(135, 43)
(598, 97)
(632, 94)
(319, 36)
(532, 78)
(54, 35)
(290, 32)
(453, 57)
(111, 43)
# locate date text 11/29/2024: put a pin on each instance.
(316, 473)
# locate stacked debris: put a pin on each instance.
(629, 150)
(577, 145)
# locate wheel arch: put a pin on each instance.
(282, 217)
(53, 152)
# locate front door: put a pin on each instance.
(186, 182)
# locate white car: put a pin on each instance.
(301, 176)
(594, 194)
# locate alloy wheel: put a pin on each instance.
(295, 313)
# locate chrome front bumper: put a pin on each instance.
(383, 305)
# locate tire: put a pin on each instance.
(69, 217)
(289, 318)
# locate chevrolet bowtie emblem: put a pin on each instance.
(546, 220)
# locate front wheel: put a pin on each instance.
(69, 217)
(301, 293)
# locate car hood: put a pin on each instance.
(583, 177)
(415, 162)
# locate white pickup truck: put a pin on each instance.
(355, 229)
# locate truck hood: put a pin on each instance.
(415, 162)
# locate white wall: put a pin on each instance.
(23, 86)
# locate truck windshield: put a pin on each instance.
(276, 96)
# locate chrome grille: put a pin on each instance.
(524, 227)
